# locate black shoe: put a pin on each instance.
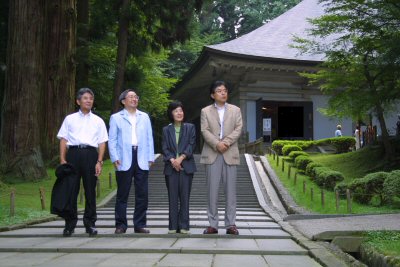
(92, 231)
(68, 232)
(120, 230)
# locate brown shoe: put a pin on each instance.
(210, 230)
(232, 230)
(141, 231)
(120, 230)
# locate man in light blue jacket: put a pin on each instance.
(131, 150)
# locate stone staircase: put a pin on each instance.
(262, 242)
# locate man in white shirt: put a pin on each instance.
(132, 152)
(83, 137)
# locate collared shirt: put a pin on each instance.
(83, 129)
(221, 113)
(133, 120)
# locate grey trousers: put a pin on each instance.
(216, 173)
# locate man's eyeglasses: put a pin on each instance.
(132, 97)
(221, 91)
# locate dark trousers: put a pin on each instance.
(179, 185)
(84, 161)
(124, 182)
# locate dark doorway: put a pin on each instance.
(291, 122)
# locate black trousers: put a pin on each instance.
(124, 183)
(84, 161)
(179, 185)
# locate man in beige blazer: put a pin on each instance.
(221, 126)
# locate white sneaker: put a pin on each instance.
(185, 232)
(172, 232)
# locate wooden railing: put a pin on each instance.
(255, 147)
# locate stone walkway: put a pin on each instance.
(264, 240)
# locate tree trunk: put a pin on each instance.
(121, 54)
(60, 71)
(20, 132)
(82, 44)
(389, 152)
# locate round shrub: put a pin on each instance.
(391, 185)
(341, 188)
(301, 162)
(294, 154)
(286, 149)
(318, 170)
(329, 179)
(310, 169)
(357, 187)
(342, 144)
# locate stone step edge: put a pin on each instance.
(159, 250)
(132, 235)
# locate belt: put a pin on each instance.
(81, 147)
(134, 147)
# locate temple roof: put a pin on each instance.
(273, 39)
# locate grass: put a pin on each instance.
(27, 198)
(385, 242)
(315, 205)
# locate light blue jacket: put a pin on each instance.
(120, 140)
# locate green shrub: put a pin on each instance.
(318, 170)
(342, 144)
(328, 179)
(310, 169)
(341, 188)
(277, 145)
(301, 162)
(391, 185)
(294, 154)
(286, 149)
(364, 189)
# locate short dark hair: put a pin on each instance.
(83, 91)
(122, 96)
(171, 107)
(215, 85)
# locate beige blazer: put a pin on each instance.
(211, 128)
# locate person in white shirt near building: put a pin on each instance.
(83, 137)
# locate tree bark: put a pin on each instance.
(121, 54)
(82, 44)
(389, 152)
(20, 131)
(58, 97)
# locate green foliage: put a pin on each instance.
(386, 243)
(342, 144)
(294, 154)
(328, 179)
(310, 169)
(364, 189)
(391, 185)
(286, 149)
(302, 161)
(277, 145)
(342, 189)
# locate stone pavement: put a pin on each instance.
(264, 240)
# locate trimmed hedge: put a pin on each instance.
(310, 169)
(277, 145)
(286, 149)
(302, 161)
(294, 154)
(391, 185)
(342, 144)
(364, 189)
(328, 179)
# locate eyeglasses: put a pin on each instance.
(133, 97)
(221, 91)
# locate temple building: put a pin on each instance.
(262, 72)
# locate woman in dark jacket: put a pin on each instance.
(179, 139)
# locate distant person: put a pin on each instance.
(83, 137)
(132, 152)
(357, 135)
(221, 126)
(178, 144)
(338, 132)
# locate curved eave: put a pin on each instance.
(208, 52)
